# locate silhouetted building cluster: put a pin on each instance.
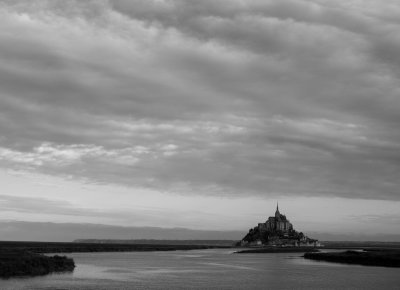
(277, 231)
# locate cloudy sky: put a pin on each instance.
(201, 114)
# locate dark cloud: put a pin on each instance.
(203, 97)
(378, 219)
(37, 205)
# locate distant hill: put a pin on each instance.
(65, 232)
(160, 242)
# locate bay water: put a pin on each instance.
(208, 269)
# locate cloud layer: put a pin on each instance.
(230, 98)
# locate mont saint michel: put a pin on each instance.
(277, 231)
(133, 131)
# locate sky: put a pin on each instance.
(201, 114)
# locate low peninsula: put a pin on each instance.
(23, 263)
(278, 250)
(366, 257)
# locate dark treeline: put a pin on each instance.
(47, 247)
(23, 263)
(159, 242)
(375, 257)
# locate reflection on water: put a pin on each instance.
(210, 269)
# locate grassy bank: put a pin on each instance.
(45, 247)
(376, 257)
(23, 263)
(360, 245)
(278, 250)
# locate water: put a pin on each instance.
(208, 269)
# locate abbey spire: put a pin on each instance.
(277, 213)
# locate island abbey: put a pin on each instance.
(276, 223)
(277, 231)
